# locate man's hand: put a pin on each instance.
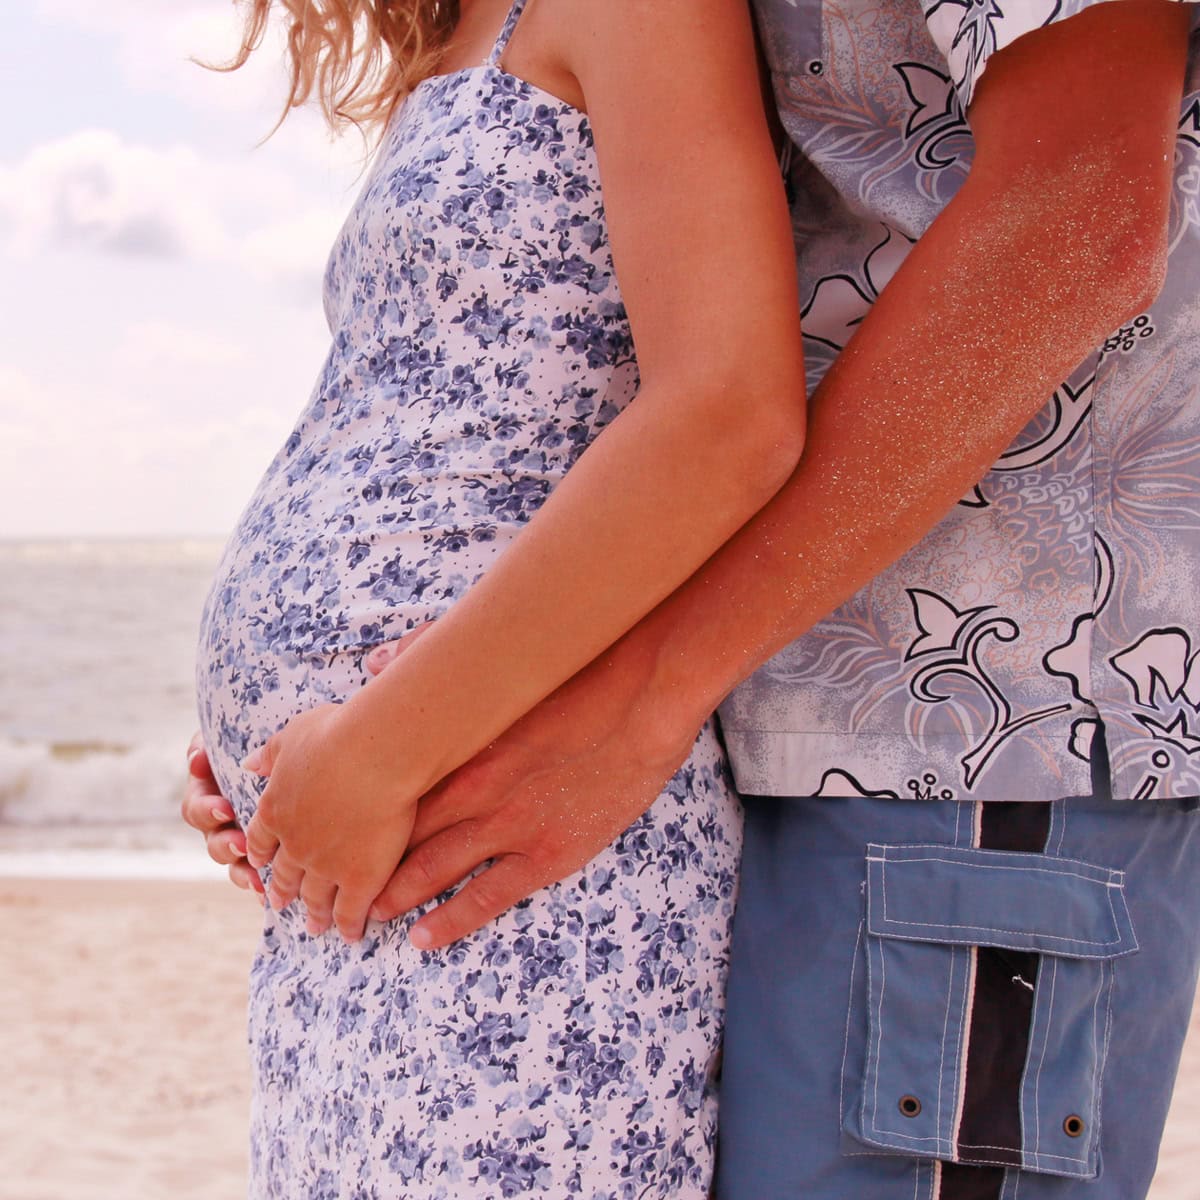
(206, 810)
(541, 801)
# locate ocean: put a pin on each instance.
(97, 644)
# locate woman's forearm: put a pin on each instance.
(674, 476)
(702, 247)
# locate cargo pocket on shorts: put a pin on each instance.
(979, 1007)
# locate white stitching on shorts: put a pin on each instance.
(849, 1010)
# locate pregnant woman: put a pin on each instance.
(578, 177)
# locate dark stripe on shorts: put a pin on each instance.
(990, 1131)
(971, 1183)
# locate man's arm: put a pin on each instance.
(1057, 237)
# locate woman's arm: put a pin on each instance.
(1059, 237)
(702, 246)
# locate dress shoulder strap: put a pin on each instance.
(506, 32)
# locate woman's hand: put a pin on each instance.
(337, 811)
(541, 801)
(207, 811)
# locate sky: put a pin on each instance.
(160, 308)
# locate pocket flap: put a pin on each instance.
(1002, 898)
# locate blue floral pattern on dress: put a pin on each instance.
(479, 344)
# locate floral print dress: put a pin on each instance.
(479, 344)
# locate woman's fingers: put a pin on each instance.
(429, 869)
(351, 909)
(286, 877)
(207, 811)
(318, 896)
(243, 875)
(210, 813)
(261, 842)
(226, 844)
(203, 807)
(197, 756)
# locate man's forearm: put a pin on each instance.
(1009, 290)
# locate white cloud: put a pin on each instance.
(21, 401)
(94, 191)
(155, 45)
(281, 251)
(169, 324)
(150, 346)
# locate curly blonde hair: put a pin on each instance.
(357, 58)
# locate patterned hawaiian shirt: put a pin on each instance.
(1063, 593)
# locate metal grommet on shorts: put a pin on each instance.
(1073, 1126)
(816, 67)
(910, 1106)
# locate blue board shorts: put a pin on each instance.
(934, 1000)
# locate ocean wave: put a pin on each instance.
(89, 783)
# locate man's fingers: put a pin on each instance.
(286, 877)
(429, 869)
(468, 795)
(442, 808)
(318, 896)
(479, 901)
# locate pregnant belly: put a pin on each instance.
(288, 621)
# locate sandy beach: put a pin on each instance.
(123, 1046)
(125, 1066)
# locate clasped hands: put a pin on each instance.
(532, 808)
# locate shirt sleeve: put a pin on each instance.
(969, 32)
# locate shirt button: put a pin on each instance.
(816, 67)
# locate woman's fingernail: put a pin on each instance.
(375, 912)
(222, 816)
(420, 937)
(253, 760)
